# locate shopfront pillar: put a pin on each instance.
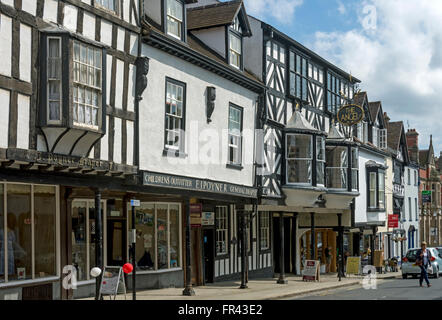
(281, 279)
(341, 247)
(98, 240)
(294, 242)
(243, 231)
(188, 290)
(312, 236)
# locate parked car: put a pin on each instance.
(409, 266)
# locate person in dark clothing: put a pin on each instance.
(423, 260)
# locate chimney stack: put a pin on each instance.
(413, 144)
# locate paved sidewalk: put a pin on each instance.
(258, 289)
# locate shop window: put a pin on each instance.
(235, 135)
(83, 237)
(175, 115)
(299, 159)
(158, 245)
(27, 232)
(264, 231)
(45, 237)
(222, 230)
(175, 18)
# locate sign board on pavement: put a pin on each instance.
(111, 280)
(353, 265)
(311, 271)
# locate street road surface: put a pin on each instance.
(395, 289)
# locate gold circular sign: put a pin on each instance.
(350, 114)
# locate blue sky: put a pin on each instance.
(394, 47)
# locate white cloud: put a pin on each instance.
(341, 7)
(283, 10)
(399, 62)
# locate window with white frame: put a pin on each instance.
(299, 156)
(337, 166)
(372, 190)
(320, 161)
(222, 230)
(175, 14)
(235, 50)
(111, 5)
(375, 136)
(409, 176)
(415, 209)
(383, 138)
(264, 231)
(365, 131)
(87, 86)
(235, 135)
(175, 112)
(381, 189)
(410, 209)
(28, 231)
(54, 80)
(415, 178)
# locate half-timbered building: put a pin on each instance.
(306, 186)
(68, 141)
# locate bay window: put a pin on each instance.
(342, 167)
(73, 83)
(375, 188)
(299, 158)
(305, 159)
(175, 19)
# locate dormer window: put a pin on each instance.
(235, 44)
(175, 19)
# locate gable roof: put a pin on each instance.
(423, 157)
(374, 108)
(394, 135)
(359, 98)
(218, 14)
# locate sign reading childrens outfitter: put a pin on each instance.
(311, 271)
(350, 114)
(193, 184)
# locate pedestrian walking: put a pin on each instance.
(423, 260)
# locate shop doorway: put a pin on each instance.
(116, 236)
(209, 255)
(289, 248)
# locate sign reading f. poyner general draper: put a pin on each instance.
(164, 180)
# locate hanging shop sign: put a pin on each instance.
(208, 219)
(351, 114)
(193, 184)
(195, 215)
(393, 220)
(426, 196)
(353, 265)
(311, 271)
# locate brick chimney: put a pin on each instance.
(386, 120)
(413, 144)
